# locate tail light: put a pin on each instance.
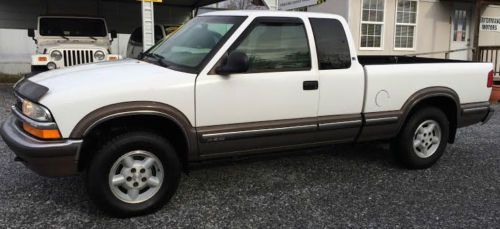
(490, 78)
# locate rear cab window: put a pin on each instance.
(332, 45)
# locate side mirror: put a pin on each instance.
(236, 62)
(114, 34)
(31, 33)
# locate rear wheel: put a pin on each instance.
(133, 174)
(423, 139)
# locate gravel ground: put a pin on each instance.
(340, 186)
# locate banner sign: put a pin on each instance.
(490, 24)
(294, 4)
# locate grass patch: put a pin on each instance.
(4, 78)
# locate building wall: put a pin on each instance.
(340, 7)
(487, 38)
(433, 28)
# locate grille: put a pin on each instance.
(76, 57)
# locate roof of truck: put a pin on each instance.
(269, 13)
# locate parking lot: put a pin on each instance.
(338, 186)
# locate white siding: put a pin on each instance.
(15, 51)
(339, 7)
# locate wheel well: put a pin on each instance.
(445, 104)
(103, 132)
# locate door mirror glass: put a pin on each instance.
(31, 33)
(114, 34)
(236, 62)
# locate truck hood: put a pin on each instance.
(76, 91)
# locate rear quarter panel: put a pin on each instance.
(388, 87)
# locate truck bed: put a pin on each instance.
(381, 60)
(391, 80)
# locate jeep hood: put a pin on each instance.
(73, 43)
(76, 91)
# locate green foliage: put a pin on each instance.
(5, 78)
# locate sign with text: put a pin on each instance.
(490, 24)
(294, 4)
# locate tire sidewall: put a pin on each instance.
(98, 173)
(407, 153)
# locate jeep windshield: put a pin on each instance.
(72, 27)
(188, 49)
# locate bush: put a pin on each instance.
(5, 78)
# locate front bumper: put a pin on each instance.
(47, 158)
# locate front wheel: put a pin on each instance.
(133, 174)
(423, 139)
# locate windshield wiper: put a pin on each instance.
(159, 58)
(93, 38)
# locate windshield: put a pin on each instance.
(191, 45)
(73, 27)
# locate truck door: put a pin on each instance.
(341, 81)
(273, 104)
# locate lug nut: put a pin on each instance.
(129, 178)
(144, 179)
(142, 170)
(136, 184)
(133, 170)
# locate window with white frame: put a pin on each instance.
(406, 24)
(372, 23)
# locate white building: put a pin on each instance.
(409, 27)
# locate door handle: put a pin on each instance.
(310, 85)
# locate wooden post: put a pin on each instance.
(477, 22)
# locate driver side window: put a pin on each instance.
(276, 45)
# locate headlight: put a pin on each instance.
(56, 55)
(36, 112)
(99, 55)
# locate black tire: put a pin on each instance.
(36, 70)
(403, 147)
(97, 178)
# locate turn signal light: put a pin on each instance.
(490, 78)
(43, 134)
(111, 58)
(42, 58)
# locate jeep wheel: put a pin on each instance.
(423, 139)
(133, 174)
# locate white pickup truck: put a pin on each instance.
(64, 41)
(236, 83)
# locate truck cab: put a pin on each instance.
(64, 41)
